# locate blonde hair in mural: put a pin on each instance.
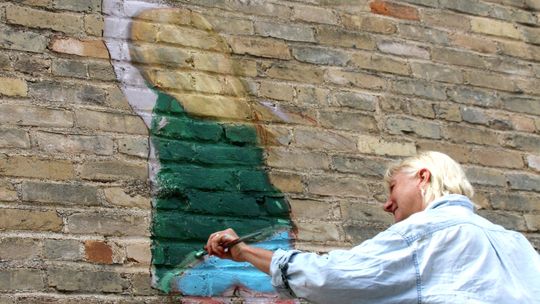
(447, 176)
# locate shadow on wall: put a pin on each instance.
(207, 163)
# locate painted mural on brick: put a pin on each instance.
(206, 163)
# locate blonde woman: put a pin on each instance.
(439, 250)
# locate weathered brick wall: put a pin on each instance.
(314, 96)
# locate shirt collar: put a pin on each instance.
(451, 200)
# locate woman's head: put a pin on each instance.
(416, 181)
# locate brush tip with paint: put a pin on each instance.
(199, 254)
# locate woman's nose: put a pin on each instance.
(389, 206)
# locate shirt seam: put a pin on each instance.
(409, 243)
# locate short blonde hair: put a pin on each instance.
(447, 176)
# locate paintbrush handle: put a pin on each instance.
(244, 238)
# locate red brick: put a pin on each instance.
(394, 10)
(98, 252)
(85, 48)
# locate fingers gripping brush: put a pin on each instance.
(196, 256)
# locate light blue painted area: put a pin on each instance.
(214, 276)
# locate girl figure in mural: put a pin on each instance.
(438, 251)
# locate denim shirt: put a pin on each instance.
(444, 254)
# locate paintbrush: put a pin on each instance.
(246, 238)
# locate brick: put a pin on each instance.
(111, 170)
(361, 166)
(108, 224)
(405, 125)
(457, 57)
(355, 100)
(403, 49)
(276, 90)
(282, 158)
(324, 140)
(139, 253)
(62, 250)
(110, 122)
(78, 6)
(419, 88)
(15, 39)
(367, 213)
(337, 37)
(519, 49)
(296, 72)
(380, 63)
(485, 176)
(533, 221)
(435, 72)
(424, 34)
(474, 43)
(495, 28)
(219, 63)
(32, 65)
(98, 252)
(533, 162)
(531, 34)
(337, 186)
(314, 14)
(285, 31)
(262, 47)
(459, 153)
(475, 8)
(361, 80)
(215, 106)
(271, 112)
(311, 96)
(19, 249)
(473, 96)
(422, 108)
(86, 281)
(506, 219)
(522, 105)
(21, 280)
(34, 18)
(101, 71)
(347, 121)
(231, 25)
(74, 144)
(13, 87)
(318, 232)
(14, 138)
(69, 68)
(394, 10)
(458, 133)
(360, 232)
(305, 209)
(513, 15)
(94, 25)
(70, 194)
(514, 202)
(80, 47)
(133, 146)
(118, 197)
(523, 142)
(322, 56)
(509, 66)
(34, 220)
(7, 191)
(450, 112)
(141, 285)
(286, 182)
(496, 158)
(28, 166)
(523, 181)
(445, 19)
(490, 80)
(271, 135)
(368, 23)
(376, 145)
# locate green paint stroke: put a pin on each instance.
(211, 177)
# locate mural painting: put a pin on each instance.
(207, 144)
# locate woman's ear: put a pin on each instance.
(425, 176)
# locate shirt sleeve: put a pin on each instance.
(381, 269)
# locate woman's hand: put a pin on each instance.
(217, 245)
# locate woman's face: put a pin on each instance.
(405, 197)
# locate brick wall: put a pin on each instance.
(275, 102)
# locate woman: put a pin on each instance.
(439, 250)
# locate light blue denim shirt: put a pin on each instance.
(444, 254)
